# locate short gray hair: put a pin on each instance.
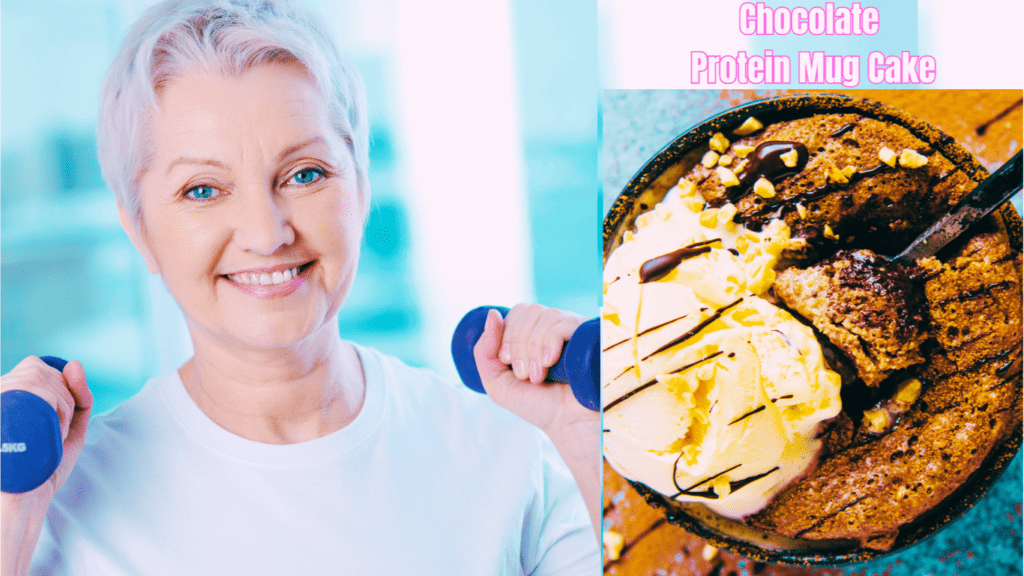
(230, 36)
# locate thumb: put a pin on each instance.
(74, 375)
(486, 350)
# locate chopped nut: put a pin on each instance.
(849, 171)
(686, 187)
(724, 160)
(876, 420)
(728, 177)
(709, 552)
(829, 233)
(693, 203)
(764, 188)
(742, 244)
(709, 218)
(710, 159)
(801, 210)
(719, 143)
(790, 158)
(721, 486)
(837, 175)
(760, 274)
(613, 543)
(888, 156)
(727, 212)
(912, 159)
(908, 391)
(797, 244)
(738, 168)
(749, 126)
(742, 150)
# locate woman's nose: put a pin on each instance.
(263, 223)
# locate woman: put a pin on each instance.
(235, 138)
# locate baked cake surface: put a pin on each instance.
(865, 305)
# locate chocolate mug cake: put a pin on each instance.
(928, 359)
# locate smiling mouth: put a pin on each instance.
(267, 279)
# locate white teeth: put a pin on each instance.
(265, 279)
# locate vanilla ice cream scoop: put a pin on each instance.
(710, 393)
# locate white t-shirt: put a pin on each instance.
(429, 478)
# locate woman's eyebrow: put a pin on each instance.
(197, 161)
(293, 149)
(218, 164)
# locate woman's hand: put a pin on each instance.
(69, 395)
(530, 340)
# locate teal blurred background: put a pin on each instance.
(72, 285)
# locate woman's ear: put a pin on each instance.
(137, 240)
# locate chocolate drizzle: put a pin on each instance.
(639, 536)
(695, 329)
(708, 479)
(747, 415)
(822, 520)
(647, 385)
(972, 294)
(620, 342)
(766, 162)
(710, 494)
(843, 130)
(658, 267)
(778, 209)
(980, 130)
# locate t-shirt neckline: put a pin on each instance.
(205, 431)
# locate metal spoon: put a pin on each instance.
(986, 197)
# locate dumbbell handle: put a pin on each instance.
(579, 364)
(32, 444)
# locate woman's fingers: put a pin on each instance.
(533, 338)
(74, 441)
(519, 325)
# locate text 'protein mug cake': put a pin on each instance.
(763, 362)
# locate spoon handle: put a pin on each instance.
(985, 198)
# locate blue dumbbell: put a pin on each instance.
(579, 365)
(32, 445)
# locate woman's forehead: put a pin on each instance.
(264, 110)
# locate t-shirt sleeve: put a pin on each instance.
(558, 538)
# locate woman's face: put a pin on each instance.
(251, 209)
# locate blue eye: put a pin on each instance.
(201, 192)
(307, 175)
